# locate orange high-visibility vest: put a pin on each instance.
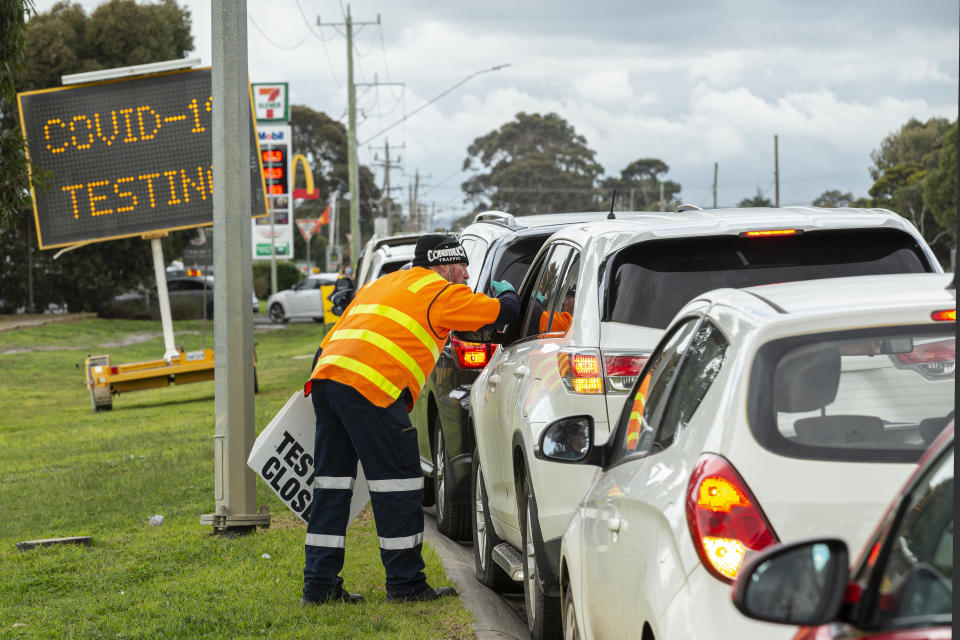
(561, 321)
(390, 336)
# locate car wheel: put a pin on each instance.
(570, 630)
(276, 313)
(453, 520)
(488, 572)
(543, 611)
(318, 320)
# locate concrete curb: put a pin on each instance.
(495, 618)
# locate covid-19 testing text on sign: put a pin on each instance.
(125, 157)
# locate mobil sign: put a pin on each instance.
(271, 101)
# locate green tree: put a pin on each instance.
(62, 41)
(906, 160)
(323, 141)
(14, 187)
(638, 187)
(832, 198)
(532, 164)
(759, 200)
(940, 186)
(915, 143)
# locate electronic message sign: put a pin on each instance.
(126, 157)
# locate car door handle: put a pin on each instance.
(521, 372)
(494, 379)
(613, 524)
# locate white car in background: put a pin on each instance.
(304, 300)
(624, 280)
(766, 414)
(381, 256)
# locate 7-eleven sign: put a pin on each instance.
(270, 101)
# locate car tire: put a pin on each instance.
(543, 611)
(318, 320)
(453, 520)
(488, 572)
(570, 629)
(276, 314)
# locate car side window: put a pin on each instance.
(916, 583)
(704, 358)
(476, 249)
(650, 393)
(560, 315)
(544, 294)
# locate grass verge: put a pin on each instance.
(66, 471)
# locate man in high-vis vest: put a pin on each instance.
(370, 369)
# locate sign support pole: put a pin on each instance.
(163, 298)
(235, 489)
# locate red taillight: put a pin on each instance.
(622, 370)
(930, 352)
(766, 233)
(945, 315)
(580, 372)
(471, 355)
(725, 521)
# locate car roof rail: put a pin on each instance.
(497, 217)
(688, 207)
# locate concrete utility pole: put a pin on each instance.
(776, 171)
(235, 489)
(353, 169)
(714, 185)
(387, 163)
(414, 205)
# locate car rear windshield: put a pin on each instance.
(647, 283)
(880, 395)
(513, 258)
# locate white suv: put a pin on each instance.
(595, 303)
(768, 414)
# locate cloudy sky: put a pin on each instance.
(690, 82)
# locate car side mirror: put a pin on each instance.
(343, 283)
(802, 583)
(570, 440)
(340, 300)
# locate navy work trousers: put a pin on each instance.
(350, 427)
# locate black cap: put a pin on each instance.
(435, 249)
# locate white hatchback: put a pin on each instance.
(767, 414)
(303, 300)
(595, 302)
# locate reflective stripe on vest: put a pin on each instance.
(387, 345)
(424, 281)
(403, 320)
(364, 370)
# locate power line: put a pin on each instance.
(267, 38)
(434, 99)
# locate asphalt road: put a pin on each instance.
(497, 616)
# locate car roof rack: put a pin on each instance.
(688, 207)
(497, 217)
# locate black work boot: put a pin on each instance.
(339, 594)
(426, 593)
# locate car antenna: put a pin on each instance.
(610, 215)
